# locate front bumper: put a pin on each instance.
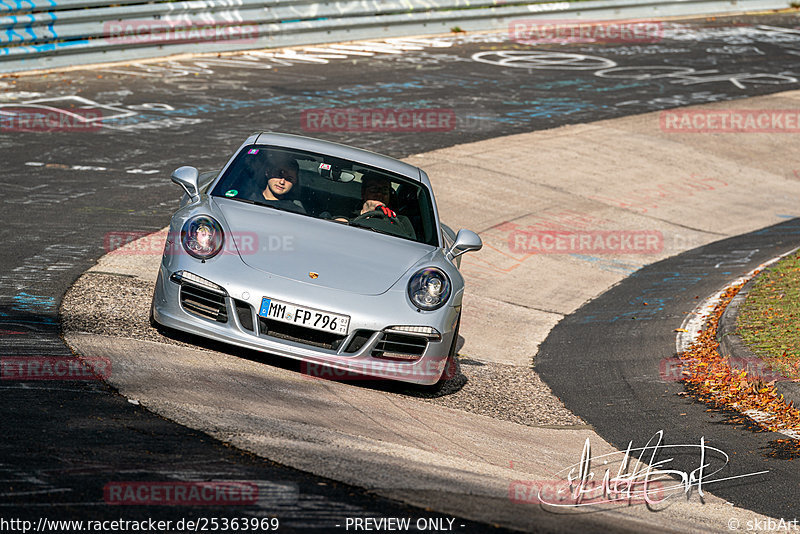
(370, 317)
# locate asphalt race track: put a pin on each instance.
(609, 362)
(64, 192)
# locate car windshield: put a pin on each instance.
(333, 189)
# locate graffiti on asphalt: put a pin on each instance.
(607, 68)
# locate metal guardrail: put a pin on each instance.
(42, 34)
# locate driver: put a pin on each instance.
(376, 192)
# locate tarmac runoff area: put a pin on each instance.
(618, 181)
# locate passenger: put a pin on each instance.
(282, 175)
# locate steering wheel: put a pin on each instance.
(370, 214)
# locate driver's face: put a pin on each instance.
(377, 190)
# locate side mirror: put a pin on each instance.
(187, 177)
(466, 241)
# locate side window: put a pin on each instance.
(245, 177)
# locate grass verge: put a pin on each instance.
(769, 319)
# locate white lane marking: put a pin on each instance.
(63, 166)
(287, 57)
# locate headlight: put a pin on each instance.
(202, 237)
(429, 288)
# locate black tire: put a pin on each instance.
(451, 380)
(451, 367)
(153, 322)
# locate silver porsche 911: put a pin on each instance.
(316, 251)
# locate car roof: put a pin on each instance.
(359, 155)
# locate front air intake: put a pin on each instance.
(394, 346)
(299, 334)
(245, 314)
(203, 302)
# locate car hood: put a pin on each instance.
(294, 246)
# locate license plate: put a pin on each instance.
(286, 312)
